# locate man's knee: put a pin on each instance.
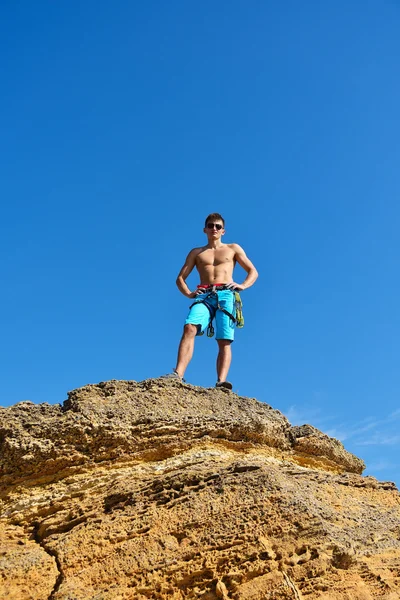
(189, 330)
(224, 343)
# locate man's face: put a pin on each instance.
(214, 229)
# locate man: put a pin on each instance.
(213, 297)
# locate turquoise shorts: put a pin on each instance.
(200, 315)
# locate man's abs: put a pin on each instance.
(215, 266)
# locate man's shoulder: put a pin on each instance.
(235, 247)
(195, 251)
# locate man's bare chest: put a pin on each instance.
(215, 257)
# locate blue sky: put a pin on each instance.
(125, 124)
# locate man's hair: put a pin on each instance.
(214, 217)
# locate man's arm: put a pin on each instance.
(185, 272)
(247, 265)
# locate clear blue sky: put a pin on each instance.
(124, 124)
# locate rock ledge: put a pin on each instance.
(156, 489)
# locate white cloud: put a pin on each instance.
(379, 439)
(381, 465)
(370, 431)
(338, 433)
(306, 414)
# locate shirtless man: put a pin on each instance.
(215, 263)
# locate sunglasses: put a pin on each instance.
(216, 225)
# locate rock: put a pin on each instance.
(221, 591)
(313, 443)
(159, 489)
(343, 558)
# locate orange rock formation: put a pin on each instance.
(168, 491)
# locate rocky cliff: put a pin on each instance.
(164, 490)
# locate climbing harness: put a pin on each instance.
(237, 318)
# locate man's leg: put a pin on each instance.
(225, 330)
(186, 348)
(223, 359)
